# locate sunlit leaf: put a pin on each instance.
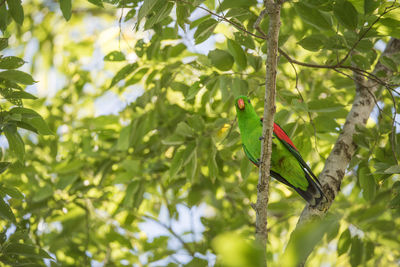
(221, 59)
(237, 53)
(6, 212)
(114, 56)
(370, 6)
(16, 10)
(12, 192)
(15, 142)
(26, 250)
(357, 251)
(346, 14)
(367, 182)
(312, 43)
(17, 76)
(313, 16)
(3, 43)
(344, 242)
(66, 8)
(33, 118)
(205, 30)
(11, 62)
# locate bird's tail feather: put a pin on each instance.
(313, 195)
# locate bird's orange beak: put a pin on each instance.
(240, 104)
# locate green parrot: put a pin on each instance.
(287, 165)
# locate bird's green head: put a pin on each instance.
(242, 104)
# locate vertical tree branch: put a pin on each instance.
(273, 10)
(335, 166)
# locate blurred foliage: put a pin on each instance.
(139, 132)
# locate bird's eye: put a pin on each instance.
(248, 101)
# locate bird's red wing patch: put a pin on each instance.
(282, 135)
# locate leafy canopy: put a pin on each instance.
(117, 116)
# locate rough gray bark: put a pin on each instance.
(273, 10)
(332, 175)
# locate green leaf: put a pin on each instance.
(369, 250)
(191, 167)
(6, 212)
(66, 8)
(3, 166)
(205, 30)
(389, 63)
(15, 142)
(21, 95)
(370, 6)
(313, 16)
(304, 239)
(11, 62)
(361, 61)
(346, 14)
(43, 193)
(16, 10)
(17, 76)
(324, 105)
(357, 251)
(236, 3)
(244, 39)
(130, 14)
(193, 90)
(176, 164)
(395, 169)
(26, 250)
(221, 59)
(159, 13)
(182, 14)
(212, 164)
(184, 129)
(344, 242)
(12, 192)
(3, 43)
(367, 182)
(173, 140)
(115, 56)
(395, 202)
(245, 168)
(237, 250)
(146, 8)
(312, 43)
(98, 3)
(69, 167)
(132, 193)
(124, 138)
(123, 73)
(66, 180)
(238, 54)
(255, 61)
(137, 76)
(4, 19)
(197, 262)
(33, 118)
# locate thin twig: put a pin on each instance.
(258, 21)
(238, 26)
(381, 111)
(387, 10)
(308, 112)
(339, 65)
(273, 10)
